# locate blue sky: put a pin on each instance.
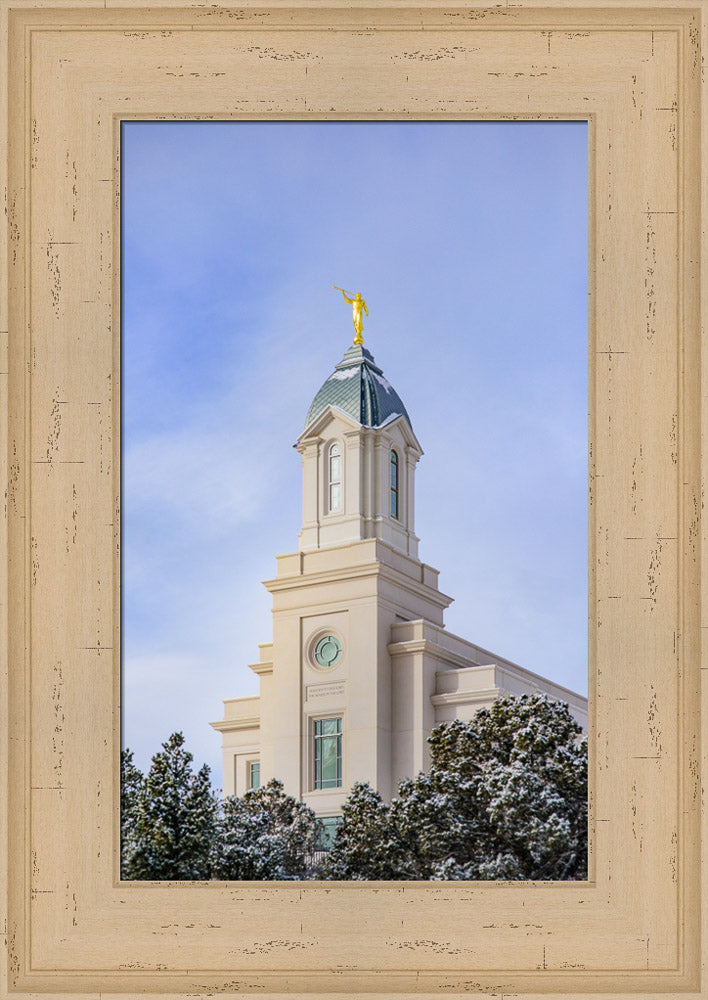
(469, 243)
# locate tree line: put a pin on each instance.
(505, 798)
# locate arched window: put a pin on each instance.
(335, 478)
(394, 484)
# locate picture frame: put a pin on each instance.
(71, 75)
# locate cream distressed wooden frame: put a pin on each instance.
(634, 72)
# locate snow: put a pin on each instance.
(382, 381)
(346, 373)
(390, 419)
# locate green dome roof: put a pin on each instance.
(358, 387)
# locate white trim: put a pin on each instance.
(236, 725)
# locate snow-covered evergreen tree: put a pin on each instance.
(132, 781)
(175, 815)
(365, 845)
(505, 798)
(266, 834)
(515, 778)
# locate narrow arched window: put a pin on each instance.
(394, 484)
(335, 478)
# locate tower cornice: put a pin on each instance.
(308, 570)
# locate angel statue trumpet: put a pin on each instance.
(357, 303)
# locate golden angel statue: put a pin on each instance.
(358, 304)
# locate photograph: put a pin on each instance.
(354, 589)
(359, 349)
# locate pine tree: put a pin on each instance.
(427, 821)
(266, 835)
(505, 798)
(515, 778)
(132, 782)
(174, 819)
(366, 845)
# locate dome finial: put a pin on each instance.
(357, 302)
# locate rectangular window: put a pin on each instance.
(326, 831)
(335, 496)
(254, 774)
(328, 753)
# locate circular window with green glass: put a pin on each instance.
(328, 651)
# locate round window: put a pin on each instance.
(328, 651)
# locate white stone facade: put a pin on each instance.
(356, 582)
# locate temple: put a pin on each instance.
(360, 667)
